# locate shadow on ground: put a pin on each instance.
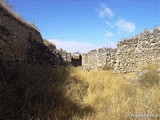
(31, 92)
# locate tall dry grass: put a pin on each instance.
(33, 92)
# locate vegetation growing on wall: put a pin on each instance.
(5, 4)
(43, 92)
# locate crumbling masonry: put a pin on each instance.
(129, 55)
(21, 43)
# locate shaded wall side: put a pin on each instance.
(20, 43)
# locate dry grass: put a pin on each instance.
(73, 94)
(150, 77)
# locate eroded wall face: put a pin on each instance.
(13, 41)
(85, 63)
(96, 59)
(20, 43)
(129, 55)
(141, 50)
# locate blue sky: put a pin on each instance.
(82, 25)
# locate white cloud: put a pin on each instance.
(73, 46)
(125, 26)
(108, 34)
(109, 24)
(104, 10)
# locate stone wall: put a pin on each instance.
(96, 59)
(21, 43)
(129, 55)
(138, 51)
(65, 55)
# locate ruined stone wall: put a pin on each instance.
(96, 59)
(129, 55)
(65, 55)
(138, 51)
(21, 43)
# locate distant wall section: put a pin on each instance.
(129, 55)
(96, 59)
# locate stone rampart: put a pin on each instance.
(96, 59)
(22, 43)
(129, 55)
(140, 50)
